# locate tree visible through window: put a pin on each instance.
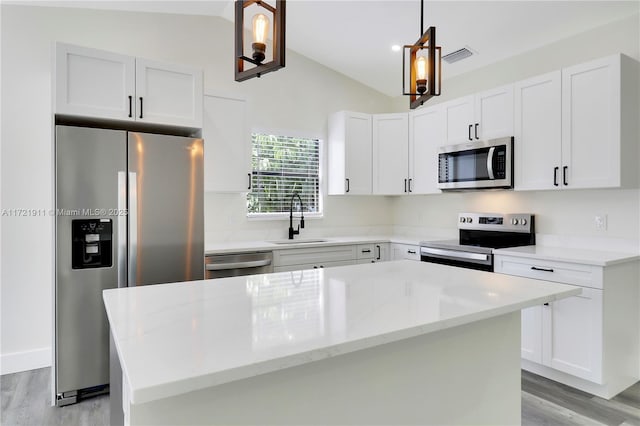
(282, 165)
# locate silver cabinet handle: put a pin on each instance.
(122, 229)
(133, 228)
(237, 265)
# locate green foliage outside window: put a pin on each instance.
(282, 165)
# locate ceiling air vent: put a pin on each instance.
(458, 55)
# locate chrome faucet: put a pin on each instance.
(292, 231)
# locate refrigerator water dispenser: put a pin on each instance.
(91, 243)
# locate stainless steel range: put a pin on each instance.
(480, 234)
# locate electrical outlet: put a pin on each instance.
(600, 221)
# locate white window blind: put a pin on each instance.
(282, 165)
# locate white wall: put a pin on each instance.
(563, 217)
(297, 98)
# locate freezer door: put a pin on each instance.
(166, 209)
(87, 166)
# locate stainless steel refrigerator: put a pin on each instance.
(129, 211)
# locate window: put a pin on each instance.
(282, 165)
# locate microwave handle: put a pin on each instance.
(490, 162)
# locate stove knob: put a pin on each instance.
(514, 221)
(469, 220)
(463, 220)
(523, 222)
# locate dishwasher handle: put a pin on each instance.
(237, 265)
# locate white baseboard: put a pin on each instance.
(27, 360)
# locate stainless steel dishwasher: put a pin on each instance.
(236, 264)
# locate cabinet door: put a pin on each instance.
(494, 113)
(573, 335)
(426, 135)
(538, 133)
(227, 145)
(591, 124)
(459, 118)
(93, 83)
(390, 153)
(168, 94)
(382, 252)
(531, 325)
(349, 162)
(358, 153)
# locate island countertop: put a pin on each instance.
(176, 338)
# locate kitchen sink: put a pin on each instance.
(299, 241)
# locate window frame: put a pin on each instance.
(321, 156)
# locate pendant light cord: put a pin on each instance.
(421, 17)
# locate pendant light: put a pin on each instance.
(425, 65)
(261, 24)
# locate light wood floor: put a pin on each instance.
(26, 401)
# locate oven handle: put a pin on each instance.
(454, 254)
(492, 150)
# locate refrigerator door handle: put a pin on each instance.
(122, 229)
(133, 228)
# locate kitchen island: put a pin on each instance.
(398, 342)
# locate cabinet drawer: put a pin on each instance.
(405, 251)
(314, 255)
(366, 251)
(562, 272)
(312, 265)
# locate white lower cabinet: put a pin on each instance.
(294, 259)
(590, 341)
(314, 265)
(572, 335)
(373, 253)
(405, 251)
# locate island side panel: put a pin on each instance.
(468, 374)
(115, 385)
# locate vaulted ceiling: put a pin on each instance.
(355, 37)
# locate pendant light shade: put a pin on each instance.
(246, 66)
(425, 60)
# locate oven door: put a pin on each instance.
(484, 164)
(464, 259)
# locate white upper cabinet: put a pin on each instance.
(390, 153)
(494, 113)
(426, 134)
(459, 118)
(94, 83)
(168, 94)
(105, 85)
(483, 116)
(591, 124)
(570, 128)
(227, 145)
(349, 159)
(538, 132)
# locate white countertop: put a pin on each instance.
(564, 254)
(180, 337)
(248, 246)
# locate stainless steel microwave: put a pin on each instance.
(476, 165)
